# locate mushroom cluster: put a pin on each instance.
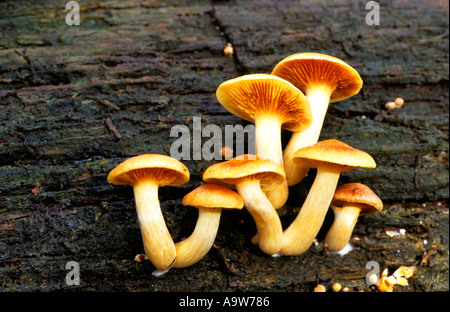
(146, 173)
(295, 97)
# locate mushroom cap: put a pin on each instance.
(213, 196)
(333, 153)
(306, 69)
(162, 169)
(357, 194)
(245, 167)
(254, 95)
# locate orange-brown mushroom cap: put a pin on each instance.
(213, 196)
(334, 153)
(358, 195)
(261, 94)
(305, 70)
(244, 167)
(163, 169)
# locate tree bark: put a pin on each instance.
(75, 101)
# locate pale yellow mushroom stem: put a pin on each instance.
(268, 139)
(197, 245)
(158, 244)
(299, 236)
(341, 230)
(268, 146)
(319, 98)
(268, 224)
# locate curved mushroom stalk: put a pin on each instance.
(209, 199)
(268, 224)
(299, 236)
(197, 245)
(251, 176)
(158, 244)
(341, 230)
(146, 173)
(319, 99)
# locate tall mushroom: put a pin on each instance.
(146, 173)
(323, 79)
(209, 199)
(251, 176)
(330, 157)
(271, 103)
(350, 201)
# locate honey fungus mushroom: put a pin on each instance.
(146, 173)
(271, 103)
(323, 79)
(209, 199)
(251, 176)
(330, 157)
(350, 201)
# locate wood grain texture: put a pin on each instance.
(75, 101)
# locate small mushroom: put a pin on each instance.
(330, 157)
(386, 283)
(209, 199)
(336, 287)
(349, 202)
(251, 176)
(146, 173)
(271, 103)
(320, 288)
(390, 105)
(228, 50)
(226, 152)
(323, 79)
(399, 102)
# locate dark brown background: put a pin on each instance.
(75, 101)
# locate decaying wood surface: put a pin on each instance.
(75, 101)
